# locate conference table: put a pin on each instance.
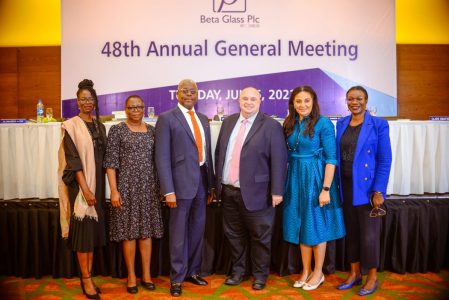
(414, 238)
(29, 160)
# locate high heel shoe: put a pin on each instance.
(345, 286)
(96, 288)
(300, 284)
(89, 296)
(310, 287)
(132, 289)
(364, 292)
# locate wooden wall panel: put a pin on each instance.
(8, 83)
(31, 73)
(423, 81)
(39, 78)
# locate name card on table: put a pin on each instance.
(6, 121)
(439, 118)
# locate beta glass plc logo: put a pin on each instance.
(229, 6)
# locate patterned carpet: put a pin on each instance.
(393, 286)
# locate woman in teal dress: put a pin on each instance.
(312, 211)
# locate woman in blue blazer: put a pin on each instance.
(364, 162)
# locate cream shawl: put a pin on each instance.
(81, 137)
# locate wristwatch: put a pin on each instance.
(326, 188)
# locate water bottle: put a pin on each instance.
(40, 111)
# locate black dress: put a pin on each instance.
(87, 234)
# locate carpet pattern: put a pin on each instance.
(392, 286)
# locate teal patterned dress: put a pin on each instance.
(304, 221)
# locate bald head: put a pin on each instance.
(186, 82)
(250, 100)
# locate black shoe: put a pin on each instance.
(233, 280)
(258, 285)
(175, 289)
(89, 296)
(148, 285)
(132, 289)
(196, 279)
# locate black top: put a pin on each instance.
(87, 234)
(348, 142)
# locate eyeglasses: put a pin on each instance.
(376, 211)
(135, 108)
(358, 99)
(186, 91)
(86, 100)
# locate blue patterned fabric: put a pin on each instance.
(304, 221)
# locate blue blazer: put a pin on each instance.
(372, 158)
(177, 155)
(263, 160)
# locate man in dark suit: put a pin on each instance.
(251, 164)
(184, 166)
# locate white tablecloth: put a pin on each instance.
(29, 160)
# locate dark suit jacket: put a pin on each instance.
(263, 160)
(177, 155)
(372, 158)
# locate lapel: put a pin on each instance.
(205, 122)
(341, 127)
(364, 133)
(227, 131)
(257, 124)
(178, 113)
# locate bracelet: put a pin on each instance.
(378, 193)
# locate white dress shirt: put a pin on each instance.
(231, 144)
(185, 112)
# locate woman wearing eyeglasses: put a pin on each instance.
(81, 188)
(136, 210)
(364, 160)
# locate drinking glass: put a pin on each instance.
(151, 112)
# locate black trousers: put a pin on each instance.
(362, 231)
(247, 229)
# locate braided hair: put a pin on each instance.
(88, 85)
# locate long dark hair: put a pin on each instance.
(289, 122)
(88, 85)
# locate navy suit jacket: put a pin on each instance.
(263, 160)
(177, 155)
(372, 158)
